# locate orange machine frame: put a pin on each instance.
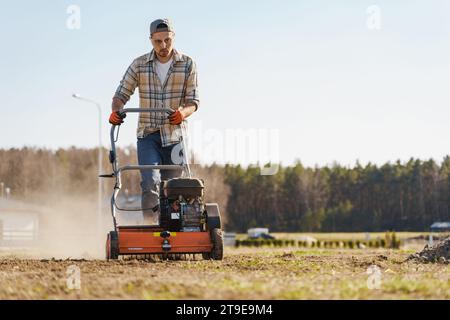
(147, 239)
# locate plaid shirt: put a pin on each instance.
(179, 88)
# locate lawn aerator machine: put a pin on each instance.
(187, 225)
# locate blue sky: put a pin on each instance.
(312, 71)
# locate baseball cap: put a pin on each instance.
(161, 25)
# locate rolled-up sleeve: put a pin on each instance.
(128, 83)
(191, 94)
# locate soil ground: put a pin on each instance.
(245, 273)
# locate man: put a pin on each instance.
(166, 78)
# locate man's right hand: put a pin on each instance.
(116, 118)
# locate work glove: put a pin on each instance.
(176, 117)
(116, 118)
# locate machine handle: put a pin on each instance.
(151, 110)
(124, 111)
(113, 137)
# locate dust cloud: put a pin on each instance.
(70, 226)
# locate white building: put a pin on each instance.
(257, 232)
(19, 224)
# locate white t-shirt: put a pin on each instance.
(162, 69)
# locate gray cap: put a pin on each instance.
(164, 25)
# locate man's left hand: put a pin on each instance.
(176, 117)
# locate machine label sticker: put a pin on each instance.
(175, 215)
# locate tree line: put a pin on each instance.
(396, 196)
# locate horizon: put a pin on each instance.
(353, 165)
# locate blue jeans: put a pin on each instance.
(150, 152)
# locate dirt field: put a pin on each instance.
(245, 273)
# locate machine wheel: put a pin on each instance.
(112, 246)
(217, 240)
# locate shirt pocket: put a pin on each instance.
(177, 80)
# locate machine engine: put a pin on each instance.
(182, 205)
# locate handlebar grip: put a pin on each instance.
(150, 110)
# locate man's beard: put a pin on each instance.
(164, 53)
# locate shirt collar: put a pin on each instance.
(177, 56)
